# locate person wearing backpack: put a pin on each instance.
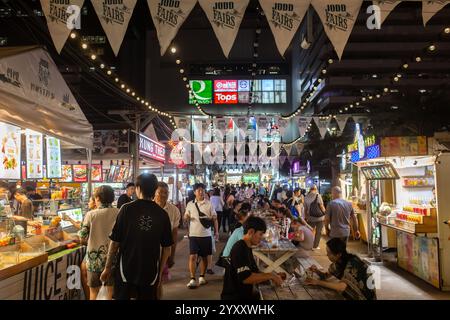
(315, 213)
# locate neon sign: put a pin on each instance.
(363, 148)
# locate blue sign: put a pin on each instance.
(370, 152)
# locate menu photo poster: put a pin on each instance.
(67, 173)
(97, 173)
(34, 150)
(80, 173)
(10, 151)
(54, 165)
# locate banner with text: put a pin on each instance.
(168, 16)
(284, 17)
(61, 16)
(225, 18)
(338, 19)
(114, 17)
(385, 9)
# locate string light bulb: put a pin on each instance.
(109, 72)
(93, 57)
(73, 35)
(84, 46)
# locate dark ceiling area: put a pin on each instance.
(415, 104)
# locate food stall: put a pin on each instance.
(39, 255)
(402, 179)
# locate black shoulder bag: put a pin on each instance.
(314, 209)
(204, 219)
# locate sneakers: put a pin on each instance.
(192, 284)
(202, 281)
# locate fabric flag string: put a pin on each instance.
(430, 8)
(322, 124)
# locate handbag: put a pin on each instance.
(314, 209)
(204, 219)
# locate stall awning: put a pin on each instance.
(34, 95)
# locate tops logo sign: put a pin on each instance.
(225, 85)
(226, 98)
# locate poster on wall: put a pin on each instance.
(111, 141)
(96, 173)
(67, 173)
(10, 151)
(54, 169)
(404, 146)
(80, 173)
(34, 149)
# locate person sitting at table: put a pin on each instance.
(245, 206)
(243, 273)
(284, 218)
(301, 236)
(352, 272)
(237, 234)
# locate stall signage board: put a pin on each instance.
(380, 172)
(34, 149)
(404, 146)
(67, 173)
(363, 148)
(250, 178)
(202, 91)
(151, 149)
(80, 173)
(10, 151)
(54, 280)
(54, 169)
(96, 173)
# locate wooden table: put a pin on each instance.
(296, 290)
(274, 257)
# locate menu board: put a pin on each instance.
(80, 173)
(121, 174)
(380, 172)
(10, 151)
(34, 147)
(404, 146)
(67, 173)
(96, 173)
(54, 169)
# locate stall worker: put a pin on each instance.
(25, 208)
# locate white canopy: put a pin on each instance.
(34, 95)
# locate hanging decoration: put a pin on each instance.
(341, 120)
(299, 146)
(386, 8)
(168, 16)
(253, 155)
(114, 17)
(322, 124)
(430, 8)
(303, 123)
(338, 19)
(225, 19)
(60, 15)
(284, 19)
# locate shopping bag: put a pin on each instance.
(103, 293)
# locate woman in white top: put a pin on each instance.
(217, 203)
(95, 231)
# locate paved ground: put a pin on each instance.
(395, 282)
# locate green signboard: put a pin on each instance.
(250, 178)
(201, 91)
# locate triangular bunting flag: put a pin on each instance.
(322, 124)
(57, 15)
(182, 123)
(342, 121)
(385, 9)
(229, 152)
(430, 8)
(282, 125)
(303, 123)
(114, 17)
(253, 156)
(284, 18)
(240, 147)
(299, 146)
(338, 19)
(225, 19)
(168, 16)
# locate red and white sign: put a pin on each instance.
(225, 85)
(151, 149)
(226, 98)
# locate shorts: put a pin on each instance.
(128, 291)
(93, 280)
(201, 246)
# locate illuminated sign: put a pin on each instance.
(151, 149)
(225, 98)
(363, 148)
(201, 91)
(244, 85)
(225, 85)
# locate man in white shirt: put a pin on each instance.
(200, 243)
(161, 197)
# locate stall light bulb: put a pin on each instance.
(73, 35)
(109, 72)
(84, 46)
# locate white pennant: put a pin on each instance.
(322, 123)
(168, 16)
(299, 146)
(114, 18)
(282, 126)
(338, 19)
(385, 8)
(229, 152)
(240, 146)
(220, 124)
(182, 123)
(225, 19)
(252, 148)
(56, 15)
(342, 121)
(303, 123)
(430, 8)
(284, 19)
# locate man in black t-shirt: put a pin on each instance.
(126, 197)
(242, 273)
(142, 228)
